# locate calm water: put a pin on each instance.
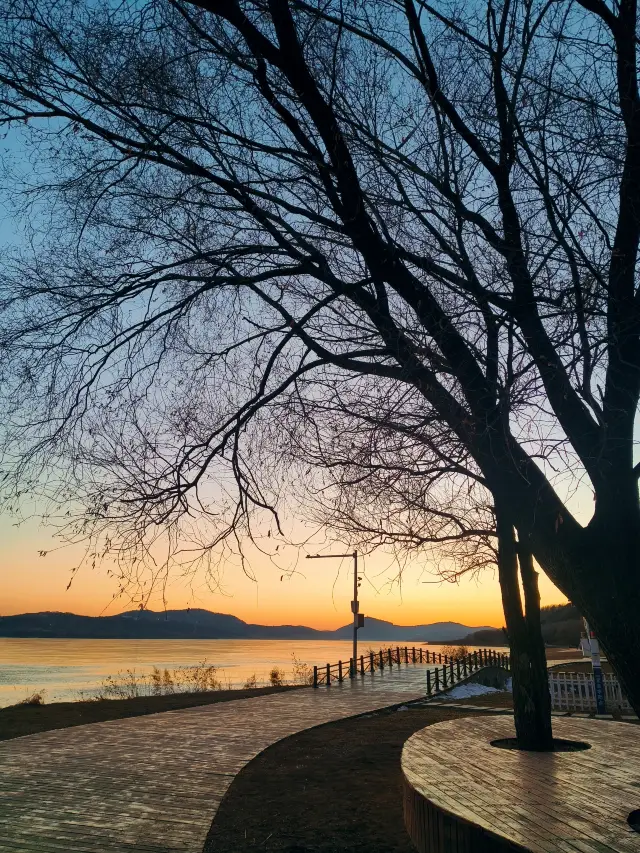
(65, 669)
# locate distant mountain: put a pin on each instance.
(377, 629)
(206, 625)
(148, 625)
(561, 626)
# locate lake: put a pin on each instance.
(68, 669)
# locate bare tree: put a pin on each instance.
(380, 474)
(242, 194)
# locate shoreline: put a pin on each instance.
(22, 720)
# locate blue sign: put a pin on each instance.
(598, 683)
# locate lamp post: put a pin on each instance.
(358, 621)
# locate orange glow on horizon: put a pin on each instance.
(318, 595)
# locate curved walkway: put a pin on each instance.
(153, 784)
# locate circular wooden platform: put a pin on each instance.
(463, 795)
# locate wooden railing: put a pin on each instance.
(458, 669)
(448, 670)
(575, 691)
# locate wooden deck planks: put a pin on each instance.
(153, 784)
(571, 802)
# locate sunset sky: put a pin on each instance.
(318, 595)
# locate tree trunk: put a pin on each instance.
(609, 597)
(597, 567)
(531, 701)
(538, 672)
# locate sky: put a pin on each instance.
(317, 595)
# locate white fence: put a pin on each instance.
(575, 691)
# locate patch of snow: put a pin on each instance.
(465, 691)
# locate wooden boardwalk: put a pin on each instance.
(153, 784)
(462, 794)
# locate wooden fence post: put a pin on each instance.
(339, 670)
(398, 653)
(451, 671)
(361, 664)
(390, 654)
(437, 675)
(406, 655)
(420, 654)
(352, 668)
(414, 654)
(381, 660)
(428, 682)
(328, 675)
(464, 666)
(315, 676)
(439, 657)
(371, 663)
(458, 668)
(444, 676)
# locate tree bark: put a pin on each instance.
(538, 673)
(607, 593)
(597, 567)
(531, 700)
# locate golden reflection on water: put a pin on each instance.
(65, 668)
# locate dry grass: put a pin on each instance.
(35, 699)
(563, 654)
(580, 666)
(129, 684)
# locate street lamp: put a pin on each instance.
(358, 619)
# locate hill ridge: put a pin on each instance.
(199, 623)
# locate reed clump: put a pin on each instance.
(455, 652)
(302, 672)
(34, 699)
(129, 684)
(276, 677)
(200, 678)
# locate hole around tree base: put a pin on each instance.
(559, 745)
(633, 819)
